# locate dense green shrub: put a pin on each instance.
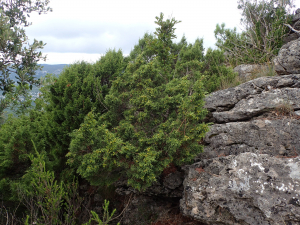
(48, 201)
(262, 38)
(216, 72)
(15, 145)
(154, 119)
(71, 98)
(80, 88)
(141, 49)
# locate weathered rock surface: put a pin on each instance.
(246, 71)
(296, 26)
(245, 189)
(249, 172)
(291, 37)
(288, 59)
(296, 17)
(254, 98)
(273, 136)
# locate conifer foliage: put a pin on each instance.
(155, 109)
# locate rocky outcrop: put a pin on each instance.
(249, 172)
(273, 136)
(254, 98)
(245, 189)
(296, 25)
(247, 71)
(256, 125)
(288, 59)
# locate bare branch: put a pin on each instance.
(289, 26)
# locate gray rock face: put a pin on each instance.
(288, 59)
(296, 17)
(245, 189)
(254, 98)
(291, 37)
(246, 71)
(296, 26)
(249, 172)
(274, 136)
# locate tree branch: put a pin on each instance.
(289, 26)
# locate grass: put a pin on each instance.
(266, 71)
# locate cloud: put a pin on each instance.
(87, 37)
(94, 26)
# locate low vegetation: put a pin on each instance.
(128, 117)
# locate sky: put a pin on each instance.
(84, 30)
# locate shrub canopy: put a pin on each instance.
(154, 117)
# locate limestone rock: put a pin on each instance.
(273, 136)
(254, 98)
(296, 26)
(246, 71)
(245, 189)
(291, 37)
(288, 59)
(296, 17)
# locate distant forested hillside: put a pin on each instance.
(54, 69)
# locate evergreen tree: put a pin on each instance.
(153, 119)
(17, 55)
(16, 137)
(80, 88)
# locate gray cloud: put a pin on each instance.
(87, 37)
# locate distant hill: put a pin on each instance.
(53, 69)
(47, 68)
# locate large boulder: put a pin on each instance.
(254, 98)
(249, 172)
(247, 71)
(245, 189)
(296, 17)
(288, 59)
(292, 36)
(276, 136)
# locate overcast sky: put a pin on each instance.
(84, 30)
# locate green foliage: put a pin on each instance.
(46, 200)
(141, 48)
(20, 99)
(107, 69)
(15, 145)
(216, 72)
(17, 55)
(80, 88)
(15, 140)
(41, 193)
(71, 97)
(192, 52)
(154, 118)
(263, 33)
(107, 217)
